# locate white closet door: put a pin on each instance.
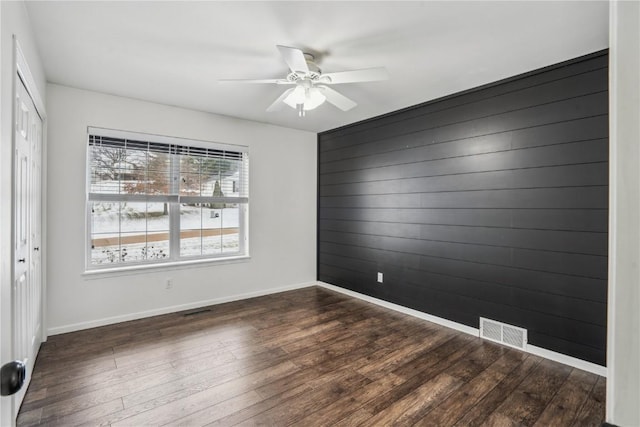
(27, 285)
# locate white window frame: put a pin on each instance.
(174, 201)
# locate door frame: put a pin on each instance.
(21, 70)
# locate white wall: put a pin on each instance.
(13, 21)
(623, 346)
(282, 212)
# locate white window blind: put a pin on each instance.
(157, 199)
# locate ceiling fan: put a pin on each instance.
(311, 85)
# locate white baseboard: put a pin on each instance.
(171, 309)
(538, 351)
(567, 360)
(402, 309)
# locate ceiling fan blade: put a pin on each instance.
(278, 103)
(276, 81)
(294, 58)
(337, 99)
(365, 75)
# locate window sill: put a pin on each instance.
(177, 265)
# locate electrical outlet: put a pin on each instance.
(169, 283)
(380, 277)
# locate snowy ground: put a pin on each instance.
(136, 221)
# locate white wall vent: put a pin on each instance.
(503, 333)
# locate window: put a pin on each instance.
(154, 199)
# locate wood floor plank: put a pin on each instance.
(414, 405)
(435, 363)
(292, 410)
(255, 410)
(204, 396)
(497, 419)
(174, 351)
(471, 366)
(467, 396)
(309, 357)
(401, 356)
(563, 408)
(88, 384)
(84, 401)
(29, 418)
(357, 418)
(344, 407)
(79, 417)
(591, 413)
(526, 403)
(220, 410)
(477, 415)
(84, 368)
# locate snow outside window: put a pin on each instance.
(154, 199)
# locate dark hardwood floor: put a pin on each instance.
(306, 357)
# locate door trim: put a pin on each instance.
(23, 70)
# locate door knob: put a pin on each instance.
(22, 260)
(12, 377)
(36, 249)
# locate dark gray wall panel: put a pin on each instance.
(449, 127)
(558, 284)
(555, 155)
(491, 203)
(546, 219)
(588, 197)
(566, 70)
(552, 176)
(452, 282)
(581, 129)
(546, 240)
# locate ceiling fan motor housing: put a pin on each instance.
(313, 74)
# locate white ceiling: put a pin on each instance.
(174, 52)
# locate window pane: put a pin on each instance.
(211, 228)
(104, 180)
(158, 246)
(157, 217)
(189, 176)
(230, 228)
(105, 163)
(105, 232)
(158, 173)
(144, 231)
(133, 217)
(133, 172)
(189, 184)
(157, 231)
(190, 230)
(218, 176)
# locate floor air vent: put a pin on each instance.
(503, 333)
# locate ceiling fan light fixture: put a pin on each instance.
(314, 98)
(296, 97)
(309, 98)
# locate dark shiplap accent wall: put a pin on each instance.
(488, 203)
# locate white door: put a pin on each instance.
(27, 291)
